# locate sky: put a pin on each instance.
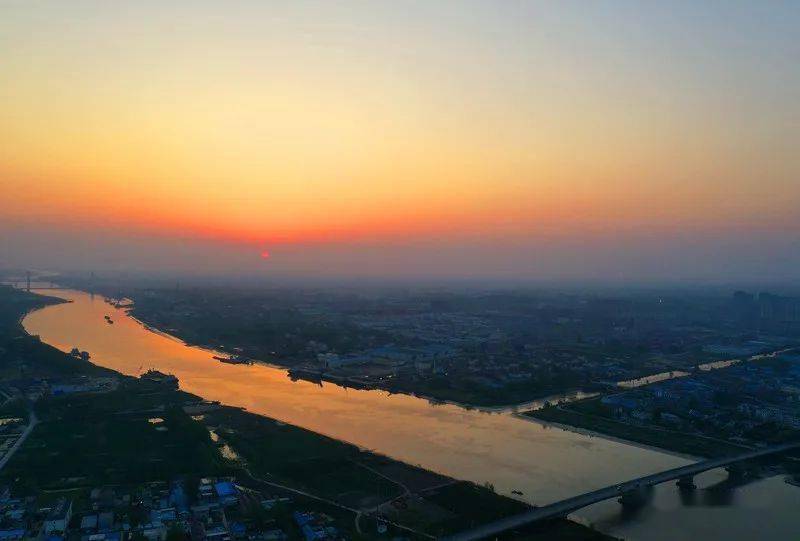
(606, 140)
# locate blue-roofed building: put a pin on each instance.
(178, 498)
(313, 534)
(12, 534)
(225, 488)
(313, 526)
(302, 518)
(237, 529)
(227, 493)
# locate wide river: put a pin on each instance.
(544, 462)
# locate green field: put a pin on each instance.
(588, 414)
(95, 439)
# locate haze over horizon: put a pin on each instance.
(611, 141)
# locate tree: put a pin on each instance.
(176, 533)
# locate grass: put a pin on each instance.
(591, 418)
(89, 440)
(303, 459)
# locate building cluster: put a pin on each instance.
(34, 388)
(745, 402)
(83, 384)
(454, 328)
(768, 311)
(455, 344)
(491, 365)
(11, 429)
(25, 518)
(214, 509)
(315, 526)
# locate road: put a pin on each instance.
(31, 424)
(357, 512)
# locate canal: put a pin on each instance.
(545, 463)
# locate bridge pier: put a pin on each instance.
(737, 470)
(635, 497)
(633, 493)
(686, 483)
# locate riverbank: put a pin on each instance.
(528, 417)
(538, 401)
(515, 407)
(680, 443)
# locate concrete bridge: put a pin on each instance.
(629, 491)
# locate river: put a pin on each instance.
(545, 463)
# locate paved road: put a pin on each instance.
(32, 423)
(564, 507)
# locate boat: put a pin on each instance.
(161, 378)
(314, 376)
(517, 492)
(235, 359)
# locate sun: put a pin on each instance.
(265, 254)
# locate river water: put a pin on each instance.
(546, 463)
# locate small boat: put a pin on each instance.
(517, 492)
(233, 360)
(314, 376)
(155, 376)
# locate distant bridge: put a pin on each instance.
(22, 284)
(629, 491)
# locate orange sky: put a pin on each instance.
(315, 124)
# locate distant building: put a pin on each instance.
(332, 360)
(89, 523)
(779, 309)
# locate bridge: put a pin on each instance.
(22, 284)
(629, 491)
